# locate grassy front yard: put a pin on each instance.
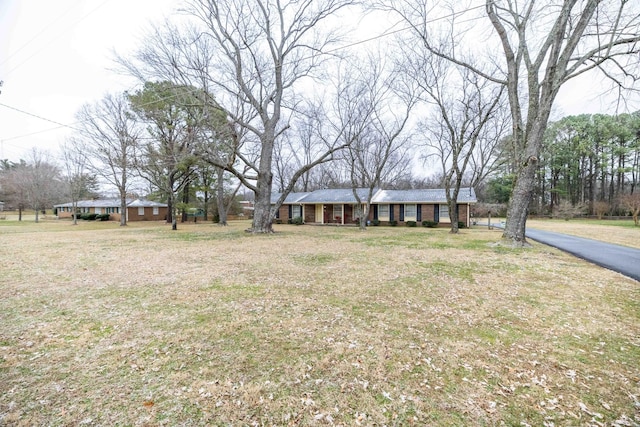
(102, 325)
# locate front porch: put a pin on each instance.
(333, 214)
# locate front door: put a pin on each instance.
(319, 211)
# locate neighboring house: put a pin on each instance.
(339, 206)
(137, 210)
(1, 206)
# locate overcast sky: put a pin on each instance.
(57, 55)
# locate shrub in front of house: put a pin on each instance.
(429, 224)
(393, 223)
(103, 217)
(375, 222)
(296, 221)
(411, 224)
(88, 216)
(461, 224)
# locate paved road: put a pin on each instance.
(618, 258)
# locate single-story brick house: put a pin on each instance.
(137, 210)
(339, 206)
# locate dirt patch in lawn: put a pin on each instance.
(103, 325)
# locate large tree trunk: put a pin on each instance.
(263, 217)
(521, 197)
(123, 207)
(222, 208)
(262, 220)
(524, 186)
(74, 208)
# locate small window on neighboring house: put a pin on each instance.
(410, 212)
(141, 211)
(296, 211)
(155, 210)
(383, 212)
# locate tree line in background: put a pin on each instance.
(588, 165)
(271, 96)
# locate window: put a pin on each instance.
(296, 211)
(98, 211)
(337, 212)
(444, 213)
(383, 212)
(156, 211)
(410, 212)
(141, 211)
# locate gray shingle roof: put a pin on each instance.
(290, 199)
(145, 203)
(111, 203)
(345, 195)
(466, 195)
(338, 195)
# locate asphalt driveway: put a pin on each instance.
(618, 258)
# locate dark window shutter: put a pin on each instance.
(436, 213)
(290, 211)
(418, 213)
(375, 212)
(401, 212)
(390, 212)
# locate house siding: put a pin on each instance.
(334, 206)
(132, 214)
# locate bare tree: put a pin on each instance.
(40, 178)
(631, 202)
(108, 136)
(544, 44)
(253, 55)
(14, 185)
(76, 174)
(463, 118)
(379, 153)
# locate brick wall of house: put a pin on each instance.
(148, 214)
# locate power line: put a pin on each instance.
(384, 34)
(51, 40)
(42, 30)
(36, 116)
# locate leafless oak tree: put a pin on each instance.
(254, 55)
(108, 136)
(76, 173)
(544, 44)
(463, 123)
(378, 154)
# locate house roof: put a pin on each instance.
(139, 203)
(290, 199)
(465, 195)
(345, 195)
(337, 195)
(111, 203)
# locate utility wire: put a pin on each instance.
(42, 30)
(384, 34)
(51, 40)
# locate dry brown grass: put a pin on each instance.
(102, 325)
